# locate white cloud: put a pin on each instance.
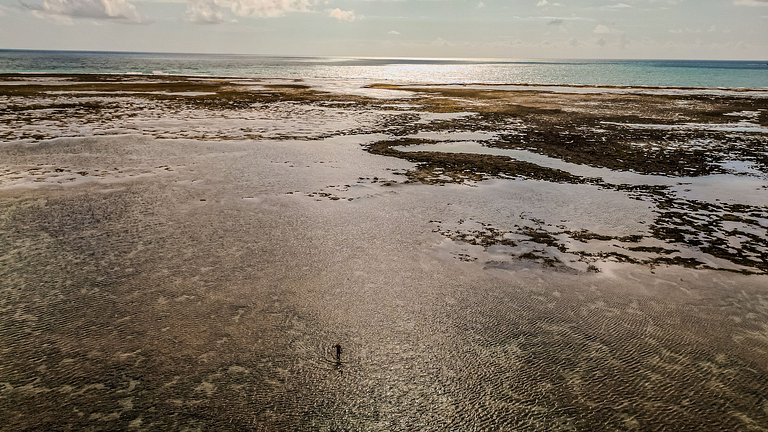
(342, 15)
(265, 8)
(121, 10)
(688, 30)
(212, 11)
(440, 42)
(550, 19)
(204, 12)
(616, 6)
(545, 3)
(394, 32)
(750, 2)
(610, 35)
(603, 29)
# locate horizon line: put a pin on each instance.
(352, 57)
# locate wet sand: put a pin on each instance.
(188, 262)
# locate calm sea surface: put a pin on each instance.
(677, 73)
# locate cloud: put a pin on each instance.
(617, 6)
(204, 12)
(394, 32)
(545, 3)
(440, 42)
(342, 15)
(603, 29)
(750, 2)
(121, 10)
(550, 19)
(688, 30)
(212, 11)
(608, 34)
(265, 8)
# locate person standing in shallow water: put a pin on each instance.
(337, 347)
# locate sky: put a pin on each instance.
(512, 29)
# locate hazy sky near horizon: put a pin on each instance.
(703, 29)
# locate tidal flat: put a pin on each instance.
(182, 253)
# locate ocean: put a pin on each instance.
(666, 73)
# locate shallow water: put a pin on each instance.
(744, 126)
(747, 186)
(222, 313)
(177, 277)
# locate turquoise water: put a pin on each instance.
(674, 73)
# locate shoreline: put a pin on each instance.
(417, 84)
